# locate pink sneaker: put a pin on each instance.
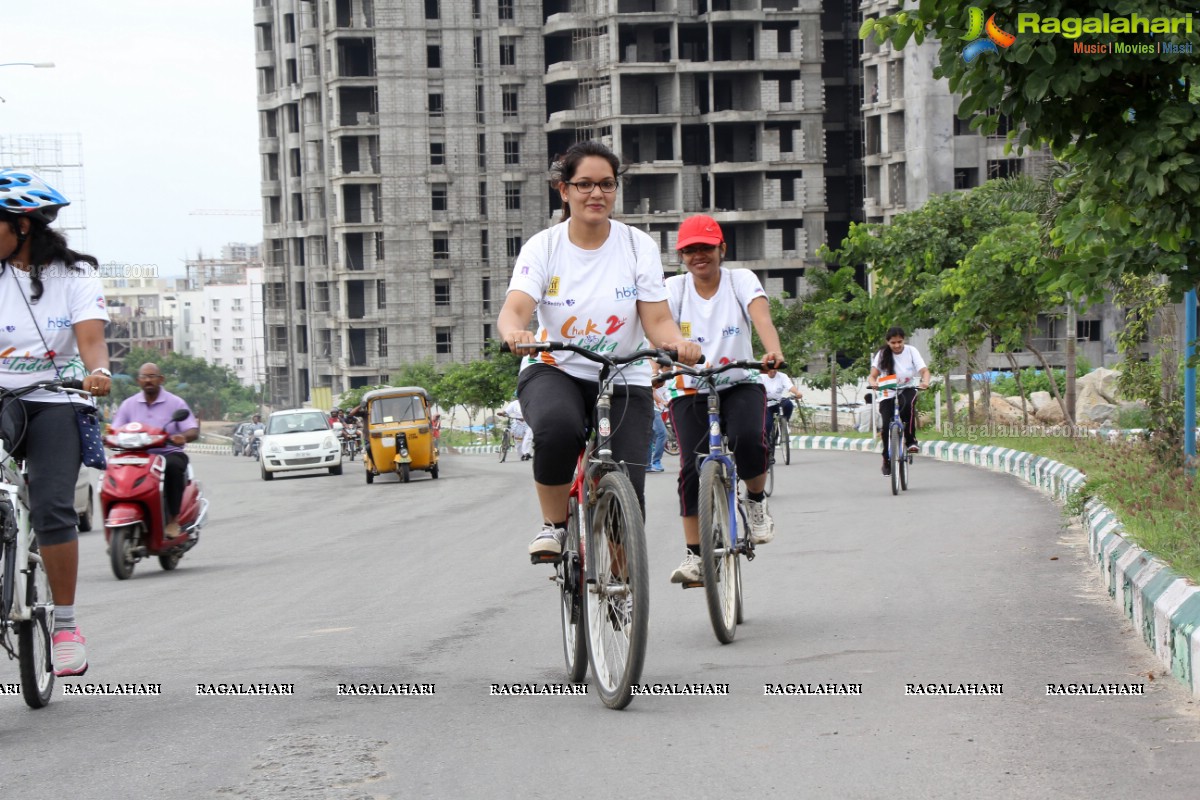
(70, 656)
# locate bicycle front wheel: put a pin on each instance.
(570, 581)
(895, 454)
(785, 436)
(618, 603)
(904, 459)
(33, 639)
(718, 562)
(505, 443)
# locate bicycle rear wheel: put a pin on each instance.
(786, 439)
(505, 444)
(618, 603)
(904, 459)
(770, 484)
(33, 637)
(570, 581)
(895, 454)
(718, 562)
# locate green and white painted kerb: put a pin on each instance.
(1163, 605)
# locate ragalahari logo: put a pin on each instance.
(996, 38)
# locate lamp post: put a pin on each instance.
(34, 64)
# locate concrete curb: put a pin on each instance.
(1162, 604)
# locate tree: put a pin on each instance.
(213, 392)
(1128, 124)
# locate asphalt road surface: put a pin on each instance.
(317, 581)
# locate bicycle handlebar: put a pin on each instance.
(708, 372)
(65, 387)
(664, 358)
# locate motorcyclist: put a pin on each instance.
(154, 407)
(251, 446)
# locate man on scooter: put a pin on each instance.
(154, 406)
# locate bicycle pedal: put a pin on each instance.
(693, 585)
(535, 558)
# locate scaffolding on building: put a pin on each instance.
(58, 159)
(589, 51)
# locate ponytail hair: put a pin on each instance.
(46, 246)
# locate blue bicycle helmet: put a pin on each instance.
(26, 193)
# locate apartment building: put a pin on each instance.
(403, 166)
(138, 318)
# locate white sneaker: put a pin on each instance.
(688, 571)
(762, 527)
(548, 542)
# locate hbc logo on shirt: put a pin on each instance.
(626, 292)
(57, 323)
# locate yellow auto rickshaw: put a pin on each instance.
(399, 433)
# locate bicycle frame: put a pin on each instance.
(717, 452)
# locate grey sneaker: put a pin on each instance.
(688, 571)
(762, 527)
(548, 542)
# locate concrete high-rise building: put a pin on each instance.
(403, 163)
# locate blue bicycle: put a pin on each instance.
(896, 452)
(722, 541)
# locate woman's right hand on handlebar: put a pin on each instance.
(685, 352)
(518, 337)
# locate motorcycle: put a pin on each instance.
(348, 435)
(135, 516)
(253, 440)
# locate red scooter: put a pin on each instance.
(135, 516)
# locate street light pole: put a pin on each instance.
(34, 64)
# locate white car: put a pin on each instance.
(299, 438)
(85, 497)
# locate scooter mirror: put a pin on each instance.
(180, 415)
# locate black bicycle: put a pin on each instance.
(781, 436)
(602, 574)
(506, 442)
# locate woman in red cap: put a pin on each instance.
(716, 308)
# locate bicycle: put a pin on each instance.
(780, 435)
(898, 454)
(26, 604)
(506, 442)
(602, 575)
(720, 505)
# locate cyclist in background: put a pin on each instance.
(780, 391)
(597, 283)
(42, 278)
(716, 307)
(897, 362)
(520, 430)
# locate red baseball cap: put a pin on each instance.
(699, 230)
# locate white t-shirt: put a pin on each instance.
(513, 411)
(68, 296)
(777, 387)
(720, 324)
(908, 365)
(589, 297)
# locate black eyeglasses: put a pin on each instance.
(608, 187)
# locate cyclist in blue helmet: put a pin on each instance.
(41, 278)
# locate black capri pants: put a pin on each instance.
(743, 419)
(559, 408)
(49, 444)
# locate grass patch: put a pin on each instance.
(1156, 504)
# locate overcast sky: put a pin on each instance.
(162, 94)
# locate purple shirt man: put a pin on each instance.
(154, 406)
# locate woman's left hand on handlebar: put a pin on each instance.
(97, 385)
(772, 360)
(687, 352)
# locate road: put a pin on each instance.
(969, 578)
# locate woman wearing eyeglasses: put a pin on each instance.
(597, 283)
(717, 307)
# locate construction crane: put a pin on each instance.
(225, 212)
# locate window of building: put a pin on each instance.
(505, 7)
(217, 345)
(439, 198)
(1088, 330)
(479, 104)
(966, 178)
(441, 248)
(508, 51)
(512, 148)
(239, 344)
(475, 9)
(1003, 168)
(512, 195)
(381, 293)
(379, 245)
(435, 104)
(485, 291)
(483, 199)
(478, 47)
(216, 304)
(437, 154)
(510, 100)
(481, 151)
(444, 341)
(383, 342)
(239, 363)
(483, 246)
(237, 304)
(431, 9)
(237, 325)
(433, 56)
(293, 117)
(441, 292)
(216, 323)
(513, 245)
(487, 332)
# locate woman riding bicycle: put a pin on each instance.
(598, 283)
(44, 285)
(897, 362)
(717, 306)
